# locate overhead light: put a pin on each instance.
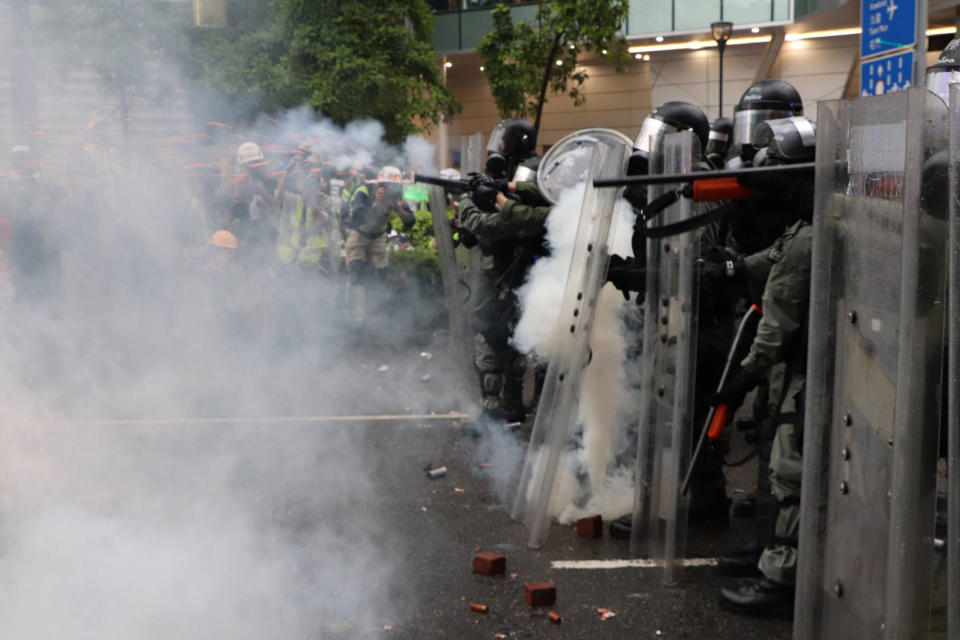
(572, 46)
(448, 64)
(481, 67)
(604, 52)
(760, 39)
(721, 32)
(697, 44)
(646, 56)
(639, 56)
(559, 63)
(755, 30)
(830, 33)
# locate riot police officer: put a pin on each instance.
(506, 219)
(780, 341)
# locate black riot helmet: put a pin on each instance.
(945, 72)
(785, 141)
(718, 142)
(670, 117)
(764, 100)
(513, 140)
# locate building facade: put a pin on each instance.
(813, 44)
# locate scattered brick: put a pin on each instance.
(539, 594)
(489, 564)
(479, 608)
(555, 617)
(591, 527)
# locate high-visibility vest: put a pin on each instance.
(288, 240)
(315, 229)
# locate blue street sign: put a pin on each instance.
(886, 75)
(887, 25)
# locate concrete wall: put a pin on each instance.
(818, 68)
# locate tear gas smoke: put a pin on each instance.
(191, 529)
(602, 438)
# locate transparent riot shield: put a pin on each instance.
(953, 376)
(557, 413)
(669, 367)
(470, 260)
(454, 293)
(875, 356)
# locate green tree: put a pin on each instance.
(523, 61)
(119, 39)
(346, 59)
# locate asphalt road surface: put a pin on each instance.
(451, 518)
(385, 551)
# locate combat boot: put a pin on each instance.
(762, 597)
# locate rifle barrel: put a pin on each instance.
(453, 186)
(672, 178)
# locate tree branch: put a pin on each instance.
(548, 69)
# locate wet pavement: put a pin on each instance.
(446, 521)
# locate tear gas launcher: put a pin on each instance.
(705, 186)
(456, 187)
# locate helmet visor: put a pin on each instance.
(651, 134)
(745, 122)
(939, 80)
(496, 142)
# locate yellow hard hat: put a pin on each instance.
(223, 239)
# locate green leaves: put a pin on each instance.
(348, 60)
(520, 59)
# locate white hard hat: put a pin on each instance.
(249, 152)
(390, 174)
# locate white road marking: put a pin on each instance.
(397, 417)
(631, 563)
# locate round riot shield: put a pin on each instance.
(567, 162)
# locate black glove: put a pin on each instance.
(463, 237)
(627, 275)
(737, 385)
(478, 180)
(485, 197)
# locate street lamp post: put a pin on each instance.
(721, 32)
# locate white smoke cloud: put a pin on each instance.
(190, 530)
(604, 396)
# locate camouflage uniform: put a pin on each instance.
(509, 240)
(781, 338)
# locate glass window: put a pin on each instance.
(649, 16)
(446, 32)
(781, 10)
(747, 11)
(444, 5)
(696, 14)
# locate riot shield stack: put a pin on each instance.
(875, 360)
(668, 368)
(953, 374)
(557, 413)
